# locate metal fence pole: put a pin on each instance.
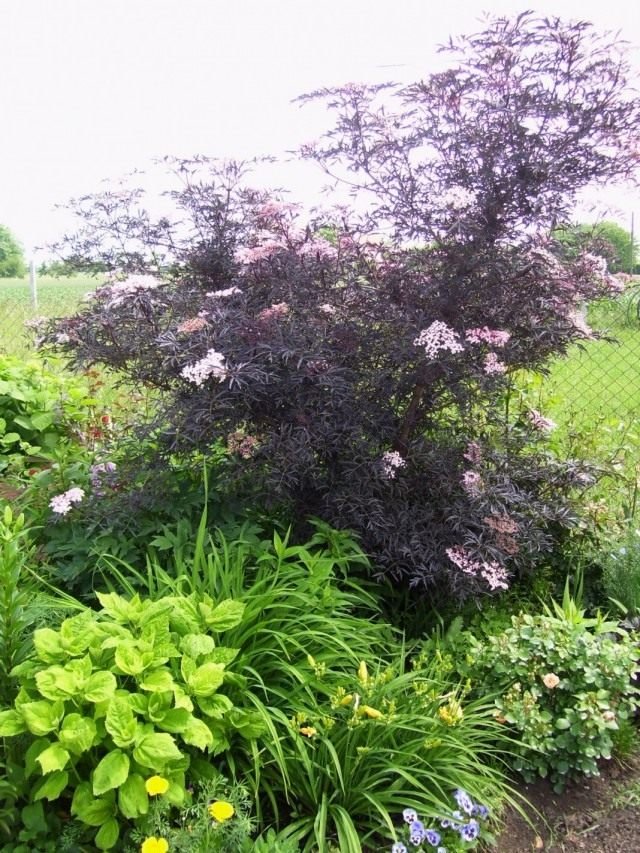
(33, 284)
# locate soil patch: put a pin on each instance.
(597, 815)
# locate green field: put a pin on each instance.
(57, 297)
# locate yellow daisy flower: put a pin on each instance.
(156, 785)
(154, 845)
(221, 810)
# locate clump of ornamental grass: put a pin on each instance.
(363, 380)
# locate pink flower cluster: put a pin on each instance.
(493, 573)
(120, 291)
(251, 254)
(317, 246)
(473, 453)
(437, 337)
(485, 335)
(193, 324)
(223, 294)
(274, 312)
(391, 461)
(493, 365)
(211, 365)
(538, 421)
(472, 483)
(61, 504)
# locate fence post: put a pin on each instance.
(33, 284)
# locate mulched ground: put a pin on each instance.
(593, 816)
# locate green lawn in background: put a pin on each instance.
(57, 297)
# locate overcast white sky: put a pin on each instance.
(90, 89)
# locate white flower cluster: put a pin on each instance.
(391, 461)
(458, 198)
(223, 294)
(120, 291)
(61, 504)
(211, 365)
(438, 337)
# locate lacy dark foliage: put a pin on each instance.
(364, 380)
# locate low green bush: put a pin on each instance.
(564, 684)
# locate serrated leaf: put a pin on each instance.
(77, 733)
(89, 809)
(133, 799)
(56, 682)
(111, 772)
(215, 706)
(107, 836)
(115, 606)
(155, 750)
(42, 717)
(100, 686)
(52, 786)
(55, 757)
(206, 679)
(227, 614)
(120, 722)
(158, 681)
(197, 734)
(174, 720)
(129, 659)
(77, 632)
(11, 723)
(196, 645)
(48, 645)
(223, 655)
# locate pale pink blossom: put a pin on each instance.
(326, 308)
(493, 365)
(223, 294)
(193, 324)
(61, 504)
(550, 680)
(274, 312)
(458, 198)
(317, 247)
(493, 337)
(119, 291)
(438, 337)
(391, 461)
(472, 483)
(211, 365)
(251, 254)
(538, 421)
(473, 453)
(492, 573)
(579, 323)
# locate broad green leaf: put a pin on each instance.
(158, 681)
(77, 733)
(226, 615)
(196, 645)
(48, 645)
(206, 679)
(120, 722)
(155, 750)
(197, 734)
(176, 793)
(100, 686)
(159, 704)
(181, 699)
(111, 772)
(115, 606)
(223, 655)
(33, 818)
(89, 809)
(215, 706)
(55, 757)
(129, 659)
(52, 786)
(11, 723)
(187, 667)
(77, 632)
(56, 682)
(41, 420)
(139, 703)
(133, 799)
(183, 616)
(174, 721)
(249, 723)
(107, 835)
(42, 717)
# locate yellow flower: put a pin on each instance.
(363, 674)
(373, 713)
(346, 700)
(308, 731)
(221, 810)
(156, 785)
(154, 845)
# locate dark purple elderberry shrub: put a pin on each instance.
(364, 379)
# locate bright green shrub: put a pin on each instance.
(117, 696)
(564, 685)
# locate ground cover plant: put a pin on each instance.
(361, 380)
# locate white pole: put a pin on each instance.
(32, 284)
